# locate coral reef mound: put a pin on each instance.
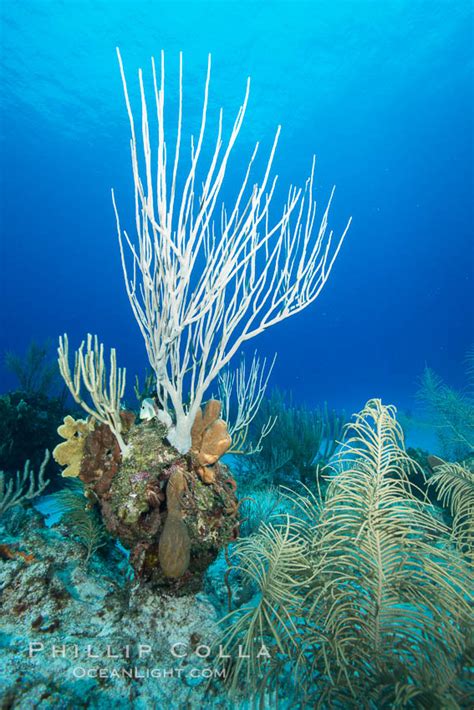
(157, 502)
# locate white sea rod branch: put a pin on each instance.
(241, 393)
(201, 278)
(24, 486)
(90, 371)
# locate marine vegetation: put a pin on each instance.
(454, 485)
(35, 373)
(363, 595)
(202, 278)
(29, 415)
(22, 487)
(263, 505)
(299, 442)
(450, 411)
(81, 518)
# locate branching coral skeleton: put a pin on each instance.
(199, 291)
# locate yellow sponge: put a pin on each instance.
(69, 453)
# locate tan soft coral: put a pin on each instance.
(210, 439)
(70, 452)
(174, 546)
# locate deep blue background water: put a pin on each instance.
(381, 91)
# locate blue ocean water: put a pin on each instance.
(381, 92)
(367, 576)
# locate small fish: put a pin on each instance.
(148, 409)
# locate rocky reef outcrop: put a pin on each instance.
(173, 512)
(87, 636)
